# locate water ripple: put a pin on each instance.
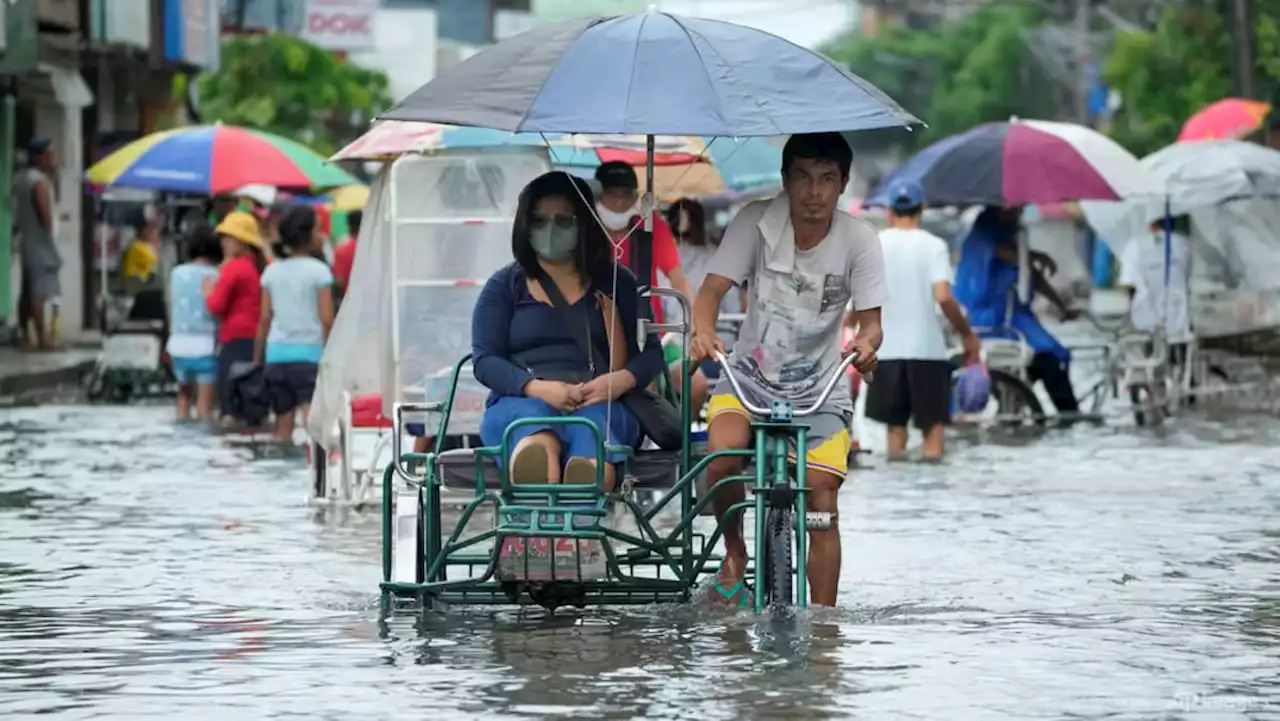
(149, 570)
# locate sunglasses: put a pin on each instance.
(560, 220)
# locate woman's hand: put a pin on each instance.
(557, 394)
(207, 286)
(608, 387)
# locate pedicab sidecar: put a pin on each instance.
(436, 227)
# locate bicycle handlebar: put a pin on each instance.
(799, 412)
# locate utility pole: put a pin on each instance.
(1084, 55)
(242, 9)
(1242, 29)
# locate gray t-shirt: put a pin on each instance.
(790, 342)
(36, 242)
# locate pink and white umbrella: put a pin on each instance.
(1023, 162)
(390, 138)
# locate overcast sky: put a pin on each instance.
(804, 22)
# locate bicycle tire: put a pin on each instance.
(779, 531)
(1025, 394)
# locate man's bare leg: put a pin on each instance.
(896, 443)
(700, 386)
(729, 431)
(933, 443)
(35, 315)
(824, 546)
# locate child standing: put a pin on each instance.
(193, 330)
(297, 313)
(234, 299)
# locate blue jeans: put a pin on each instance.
(576, 441)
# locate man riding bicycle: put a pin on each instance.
(802, 262)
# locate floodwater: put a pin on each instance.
(152, 571)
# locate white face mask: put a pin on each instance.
(611, 219)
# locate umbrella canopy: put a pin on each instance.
(1229, 118)
(390, 138)
(652, 74)
(1198, 175)
(744, 165)
(1214, 171)
(349, 198)
(215, 159)
(1022, 162)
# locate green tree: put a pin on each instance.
(1183, 64)
(954, 75)
(288, 86)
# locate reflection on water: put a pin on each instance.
(148, 570)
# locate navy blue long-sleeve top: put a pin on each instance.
(516, 338)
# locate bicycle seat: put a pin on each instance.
(1006, 353)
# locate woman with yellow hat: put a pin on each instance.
(235, 299)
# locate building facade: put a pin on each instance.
(89, 75)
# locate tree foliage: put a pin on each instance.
(1183, 64)
(288, 86)
(954, 75)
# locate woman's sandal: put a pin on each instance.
(529, 464)
(579, 471)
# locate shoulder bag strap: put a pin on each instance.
(575, 320)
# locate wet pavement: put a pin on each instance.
(149, 570)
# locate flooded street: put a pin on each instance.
(151, 571)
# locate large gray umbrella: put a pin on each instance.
(1200, 174)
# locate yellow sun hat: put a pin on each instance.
(243, 227)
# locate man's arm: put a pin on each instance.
(42, 192)
(869, 329)
(951, 308)
(1043, 287)
(706, 307)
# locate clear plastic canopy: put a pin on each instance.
(436, 227)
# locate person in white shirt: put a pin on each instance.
(1153, 293)
(913, 382)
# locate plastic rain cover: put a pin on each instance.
(436, 227)
(1235, 266)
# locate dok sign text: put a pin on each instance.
(340, 24)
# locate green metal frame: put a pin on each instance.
(676, 561)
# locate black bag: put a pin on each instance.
(658, 417)
(249, 401)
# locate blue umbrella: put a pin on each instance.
(651, 74)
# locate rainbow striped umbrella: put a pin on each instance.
(215, 159)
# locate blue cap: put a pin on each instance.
(38, 145)
(906, 195)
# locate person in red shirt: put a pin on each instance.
(235, 300)
(344, 255)
(619, 192)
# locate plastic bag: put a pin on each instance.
(973, 388)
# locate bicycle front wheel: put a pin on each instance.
(778, 565)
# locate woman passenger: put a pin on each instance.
(297, 314)
(530, 355)
(235, 299)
